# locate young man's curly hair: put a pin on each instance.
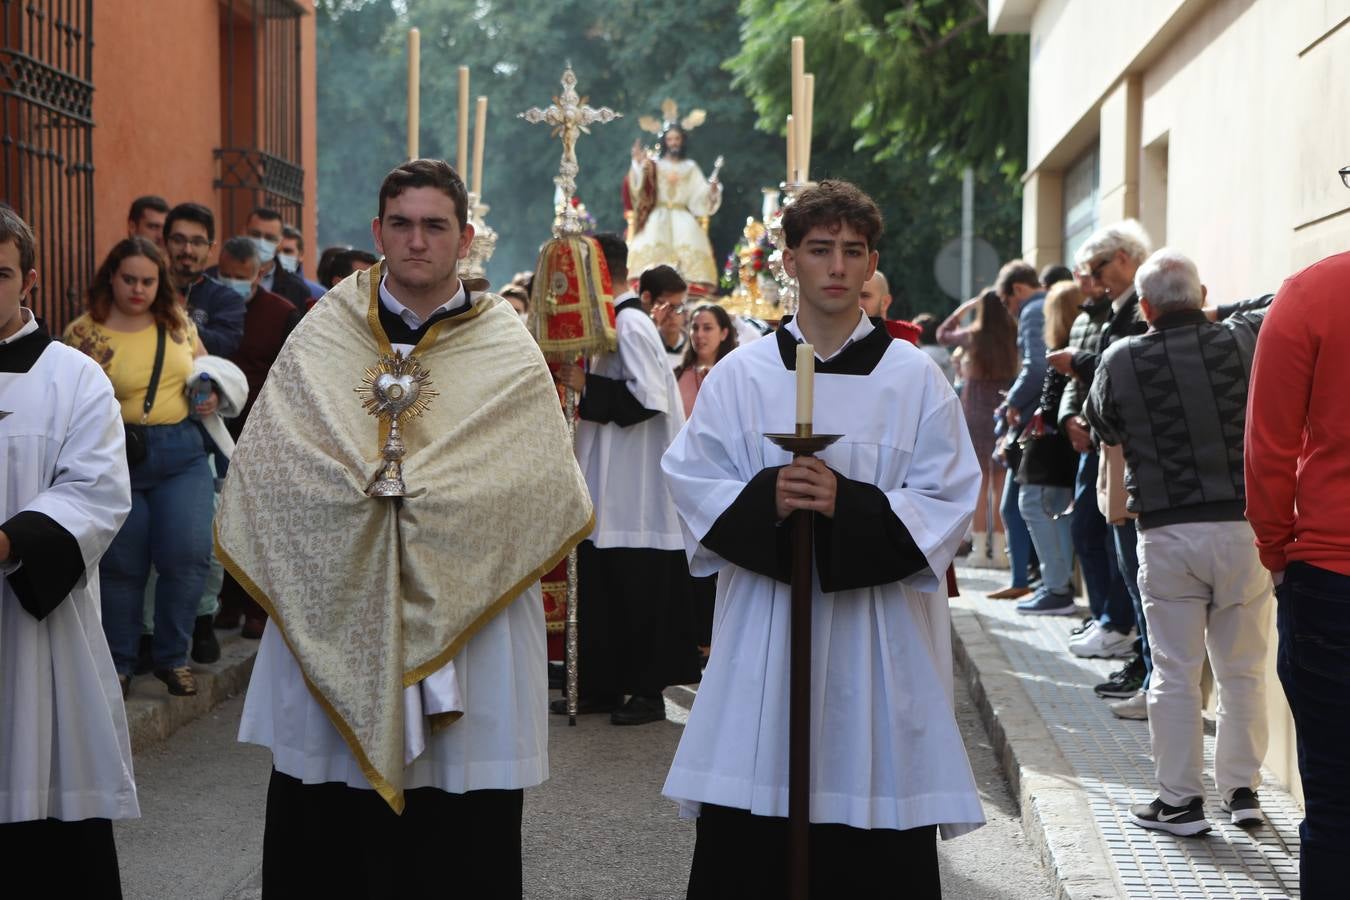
(832, 204)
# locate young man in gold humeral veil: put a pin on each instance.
(400, 683)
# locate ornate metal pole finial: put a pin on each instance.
(569, 115)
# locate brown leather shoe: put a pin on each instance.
(1009, 593)
(180, 681)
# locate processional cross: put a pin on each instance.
(569, 115)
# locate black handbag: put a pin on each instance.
(136, 434)
(1049, 460)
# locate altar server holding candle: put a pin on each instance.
(891, 502)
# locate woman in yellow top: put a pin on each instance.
(130, 302)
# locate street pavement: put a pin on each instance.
(597, 829)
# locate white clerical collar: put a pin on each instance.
(412, 319)
(626, 295)
(28, 327)
(865, 327)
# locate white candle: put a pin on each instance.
(791, 151)
(462, 159)
(479, 135)
(414, 89)
(808, 112)
(798, 95)
(806, 373)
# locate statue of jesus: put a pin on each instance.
(669, 195)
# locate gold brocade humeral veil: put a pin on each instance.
(373, 594)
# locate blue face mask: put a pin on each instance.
(266, 249)
(288, 262)
(241, 286)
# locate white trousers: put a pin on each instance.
(1203, 587)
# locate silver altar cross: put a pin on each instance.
(569, 115)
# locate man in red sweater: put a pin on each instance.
(1298, 494)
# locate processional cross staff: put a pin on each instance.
(569, 115)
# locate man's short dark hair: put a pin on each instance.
(266, 213)
(293, 233)
(345, 262)
(240, 249)
(149, 201)
(832, 204)
(661, 280)
(615, 251)
(1054, 274)
(326, 259)
(191, 212)
(1014, 273)
(14, 230)
(433, 173)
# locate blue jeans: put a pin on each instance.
(1019, 539)
(169, 526)
(1313, 621)
(1127, 558)
(1052, 537)
(1096, 548)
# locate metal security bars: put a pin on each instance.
(46, 143)
(259, 160)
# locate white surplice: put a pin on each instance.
(633, 507)
(501, 740)
(64, 748)
(886, 751)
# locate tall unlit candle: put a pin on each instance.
(798, 91)
(808, 113)
(791, 151)
(479, 134)
(414, 89)
(806, 374)
(462, 126)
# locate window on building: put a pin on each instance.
(1080, 202)
(46, 144)
(259, 160)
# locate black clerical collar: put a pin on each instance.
(18, 356)
(858, 358)
(633, 302)
(400, 332)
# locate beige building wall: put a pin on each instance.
(1220, 124)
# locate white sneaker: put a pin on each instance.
(1082, 632)
(1135, 707)
(1103, 643)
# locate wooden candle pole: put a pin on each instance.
(791, 150)
(479, 135)
(462, 124)
(414, 89)
(802, 442)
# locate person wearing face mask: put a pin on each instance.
(264, 228)
(289, 257)
(189, 232)
(266, 326)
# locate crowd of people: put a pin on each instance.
(1103, 419)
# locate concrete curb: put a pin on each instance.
(153, 714)
(1056, 814)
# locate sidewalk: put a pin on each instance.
(153, 714)
(1077, 768)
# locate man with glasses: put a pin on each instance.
(189, 233)
(1111, 256)
(1298, 429)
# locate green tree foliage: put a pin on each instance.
(908, 93)
(624, 58)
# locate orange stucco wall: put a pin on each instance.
(157, 109)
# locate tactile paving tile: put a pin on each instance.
(1112, 760)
